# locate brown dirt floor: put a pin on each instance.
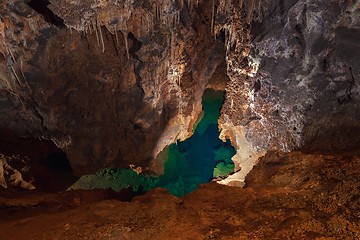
(288, 196)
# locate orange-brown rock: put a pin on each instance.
(288, 196)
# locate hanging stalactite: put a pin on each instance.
(101, 36)
(212, 16)
(116, 37)
(96, 32)
(126, 44)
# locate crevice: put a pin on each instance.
(41, 7)
(222, 35)
(135, 47)
(36, 111)
(138, 63)
(347, 97)
(352, 83)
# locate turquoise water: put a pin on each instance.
(194, 161)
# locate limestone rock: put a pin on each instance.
(112, 83)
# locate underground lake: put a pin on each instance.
(197, 160)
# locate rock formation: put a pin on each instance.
(112, 83)
(304, 94)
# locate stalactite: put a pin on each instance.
(83, 32)
(10, 52)
(89, 28)
(171, 46)
(161, 9)
(96, 32)
(229, 42)
(180, 97)
(147, 25)
(126, 45)
(101, 37)
(259, 11)
(21, 67)
(249, 12)
(173, 20)
(16, 76)
(233, 35)
(156, 11)
(212, 16)
(14, 61)
(151, 23)
(116, 37)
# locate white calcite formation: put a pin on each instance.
(12, 177)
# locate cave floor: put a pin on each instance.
(288, 196)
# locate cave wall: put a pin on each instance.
(113, 83)
(305, 91)
(293, 77)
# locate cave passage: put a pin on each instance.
(197, 160)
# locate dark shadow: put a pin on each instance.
(44, 162)
(40, 6)
(57, 163)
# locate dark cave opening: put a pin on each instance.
(41, 7)
(55, 172)
(57, 162)
(39, 161)
(137, 44)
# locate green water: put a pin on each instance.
(194, 161)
